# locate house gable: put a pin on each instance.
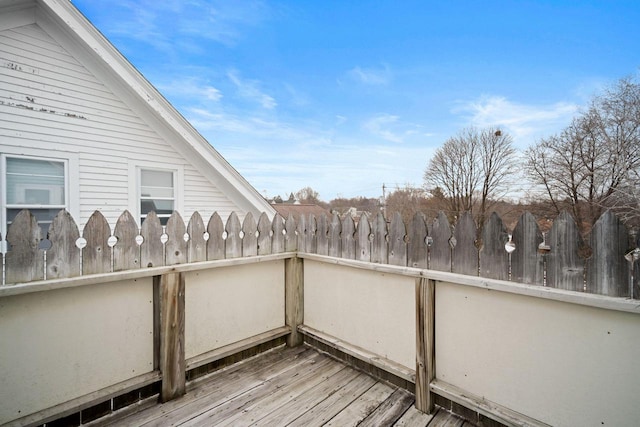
(62, 76)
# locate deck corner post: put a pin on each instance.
(169, 289)
(294, 298)
(425, 343)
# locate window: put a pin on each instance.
(37, 184)
(157, 193)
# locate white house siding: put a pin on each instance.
(51, 103)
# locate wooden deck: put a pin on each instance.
(290, 387)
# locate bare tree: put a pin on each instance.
(472, 169)
(593, 164)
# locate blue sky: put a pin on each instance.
(343, 96)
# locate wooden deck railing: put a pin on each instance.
(104, 328)
(608, 264)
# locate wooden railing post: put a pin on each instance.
(294, 298)
(169, 327)
(425, 343)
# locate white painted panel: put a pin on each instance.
(60, 345)
(226, 305)
(561, 363)
(373, 310)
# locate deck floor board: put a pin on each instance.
(290, 387)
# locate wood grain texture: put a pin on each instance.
(465, 252)
(233, 242)
(440, 249)
(294, 298)
(264, 235)
(291, 235)
(24, 262)
(363, 240)
(152, 249)
(348, 238)
(249, 236)
(277, 239)
(494, 259)
(527, 263)
(126, 252)
(216, 242)
(322, 233)
(397, 241)
(379, 245)
(417, 249)
(96, 255)
(565, 267)
(425, 344)
(607, 269)
(335, 241)
(197, 245)
(176, 246)
(63, 257)
(172, 322)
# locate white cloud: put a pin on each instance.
(249, 89)
(390, 128)
(525, 122)
(192, 87)
(370, 76)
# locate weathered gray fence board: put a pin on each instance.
(607, 270)
(417, 249)
(126, 251)
(264, 235)
(233, 242)
(152, 249)
(322, 235)
(494, 259)
(565, 268)
(277, 241)
(301, 233)
(465, 252)
(311, 238)
(348, 238)
(290, 237)
(397, 241)
(216, 243)
(96, 255)
(636, 280)
(379, 246)
(249, 237)
(363, 239)
(197, 245)
(440, 248)
(335, 227)
(176, 245)
(526, 260)
(24, 262)
(63, 257)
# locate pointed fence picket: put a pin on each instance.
(609, 264)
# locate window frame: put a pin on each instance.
(135, 175)
(71, 188)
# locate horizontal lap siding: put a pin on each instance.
(50, 101)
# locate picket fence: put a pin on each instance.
(608, 264)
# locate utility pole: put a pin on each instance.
(384, 201)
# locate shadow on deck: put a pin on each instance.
(289, 387)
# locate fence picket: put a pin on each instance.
(465, 252)
(290, 237)
(397, 242)
(565, 267)
(494, 259)
(264, 235)
(96, 255)
(311, 236)
(196, 246)
(301, 234)
(233, 242)
(347, 238)
(126, 252)
(322, 235)
(277, 242)
(215, 243)
(24, 262)
(152, 248)
(526, 260)
(335, 226)
(417, 250)
(379, 246)
(63, 257)
(363, 239)
(607, 270)
(176, 246)
(440, 248)
(249, 237)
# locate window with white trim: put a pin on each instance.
(35, 183)
(157, 193)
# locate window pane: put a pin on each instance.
(35, 182)
(159, 206)
(151, 178)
